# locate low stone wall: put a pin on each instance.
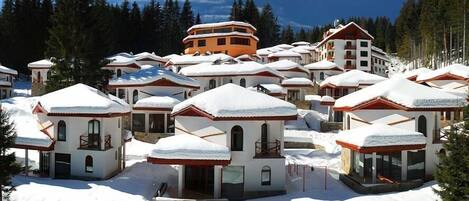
(331, 126)
(379, 188)
(302, 145)
(150, 137)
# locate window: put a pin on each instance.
(242, 82)
(415, 165)
(135, 96)
(222, 30)
(156, 123)
(121, 93)
(348, 122)
(212, 84)
(321, 76)
(89, 164)
(39, 78)
(221, 41)
(265, 176)
(94, 132)
(138, 122)
(264, 137)
(240, 41)
(363, 44)
(201, 43)
(422, 125)
(169, 124)
(237, 138)
(119, 72)
(61, 131)
(363, 63)
(364, 53)
(242, 30)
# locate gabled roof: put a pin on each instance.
(353, 78)
(452, 72)
(156, 103)
(122, 60)
(285, 53)
(412, 74)
(221, 24)
(153, 76)
(248, 68)
(45, 63)
(297, 82)
(401, 94)
(287, 65)
(351, 27)
(323, 65)
(228, 102)
(285, 46)
(148, 56)
(80, 99)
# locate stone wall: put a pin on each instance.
(346, 160)
(331, 126)
(38, 89)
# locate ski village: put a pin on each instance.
(228, 117)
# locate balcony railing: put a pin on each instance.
(330, 47)
(350, 47)
(268, 149)
(439, 136)
(93, 142)
(350, 57)
(330, 58)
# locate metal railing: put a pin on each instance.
(268, 149)
(94, 142)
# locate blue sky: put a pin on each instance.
(300, 12)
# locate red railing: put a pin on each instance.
(350, 47)
(330, 58)
(350, 66)
(268, 149)
(350, 57)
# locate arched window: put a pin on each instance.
(312, 77)
(118, 73)
(89, 164)
(212, 84)
(135, 96)
(242, 82)
(94, 132)
(321, 76)
(422, 125)
(266, 176)
(264, 137)
(237, 138)
(348, 122)
(61, 131)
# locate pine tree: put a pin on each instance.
(197, 19)
(187, 16)
(135, 33)
(453, 171)
(288, 36)
(8, 166)
(268, 28)
(250, 13)
(151, 27)
(236, 11)
(301, 35)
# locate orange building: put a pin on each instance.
(232, 38)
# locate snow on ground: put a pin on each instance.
(326, 140)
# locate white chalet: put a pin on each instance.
(453, 79)
(6, 81)
(177, 62)
(40, 72)
(227, 147)
(321, 70)
(121, 64)
(86, 128)
(245, 74)
(380, 143)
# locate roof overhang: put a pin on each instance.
(195, 111)
(188, 162)
(369, 150)
(159, 82)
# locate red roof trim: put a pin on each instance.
(446, 76)
(153, 108)
(159, 82)
(369, 150)
(381, 103)
(188, 161)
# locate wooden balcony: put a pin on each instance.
(330, 58)
(350, 57)
(94, 142)
(349, 67)
(330, 47)
(268, 149)
(350, 47)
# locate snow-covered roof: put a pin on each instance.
(235, 33)
(458, 70)
(191, 60)
(157, 102)
(150, 75)
(327, 99)
(221, 24)
(190, 147)
(411, 74)
(45, 63)
(263, 52)
(342, 27)
(27, 127)
(353, 78)
(301, 50)
(229, 100)
(312, 97)
(299, 81)
(301, 43)
(285, 65)
(323, 65)
(227, 69)
(82, 99)
(285, 53)
(379, 135)
(285, 46)
(147, 55)
(169, 56)
(7, 70)
(400, 91)
(273, 88)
